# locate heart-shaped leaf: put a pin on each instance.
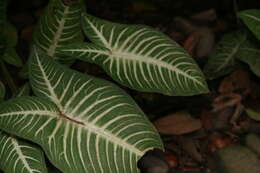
(139, 57)
(59, 26)
(18, 156)
(252, 19)
(223, 59)
(84, 124)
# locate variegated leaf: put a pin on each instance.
(18, 156)
(249, 53)
(223, 60)
(24, 90)
(139, 57)
(252, 19)
(84, 124)
(59, 26)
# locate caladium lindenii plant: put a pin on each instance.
(82, 123)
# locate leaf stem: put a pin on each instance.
(8, 77)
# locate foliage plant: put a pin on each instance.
(85, 124)
(236, 47)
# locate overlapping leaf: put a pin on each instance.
(139, 57)
(18, 156)
(252, 19)
(223, 59)
(59, 25)
(84, 124)
(250, 54)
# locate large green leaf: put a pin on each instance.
(139, 57)
(84, 124)
(59, 25)
(18, 156)
(252, 19)
(223, 59)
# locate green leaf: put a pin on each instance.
(139, 57)
(238, 159)
(252, 19)
(11, 57)
(223, 59)
(250, 54)
(2, 91)
(18, 156)
(24, 90)
(252, 114)
(84, 124)
(59, 26)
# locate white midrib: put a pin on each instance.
(135, 57)
(252, 17)
(230, 57)
(149, 60)
(51, 90)
(93, 128)
(58, 33)
(21, 155)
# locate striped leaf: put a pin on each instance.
(139, 57)
(18, 156)
(84, 124)
(59, 26)
(249, 53)
(252, 19)
(223, 59)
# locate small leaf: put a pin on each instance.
(18, 156)
(222, 61)
(59, 26)
(177, 124)
(24, 90)
(252, 114)
(2, 91)
(252, 19)
(238, 159)
(11, 57)
(250, 54)
(139, 57)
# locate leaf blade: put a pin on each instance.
(20, 156)
(59, 26)
(142, 58)
(252, 19)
